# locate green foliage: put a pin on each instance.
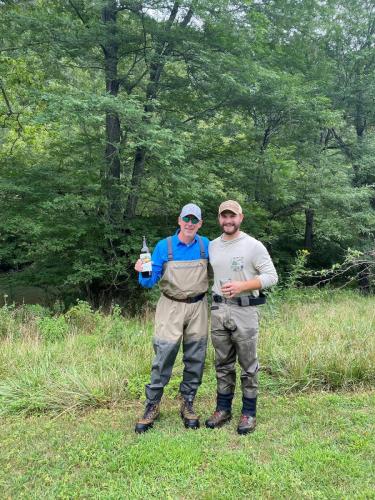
(32, 311)
(82, 318)
(116, 332)
(7, 321)
(53, 329)
(267, 102)
(297, 271)
(356, 269)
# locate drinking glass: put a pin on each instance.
(223, 282)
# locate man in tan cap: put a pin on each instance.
(242, 267)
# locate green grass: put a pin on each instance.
(85, 359)
(71, 388)
(321, 341)
(320, 445)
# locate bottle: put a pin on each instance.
(146, 260)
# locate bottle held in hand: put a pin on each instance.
(146, 260)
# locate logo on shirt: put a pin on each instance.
(237, 263)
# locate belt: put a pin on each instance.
(247, 300)
(189, 300)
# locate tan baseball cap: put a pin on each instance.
(231, 205)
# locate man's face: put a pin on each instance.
(230, 222)
(189, 226)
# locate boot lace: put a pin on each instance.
(150, 409)
(189, 409)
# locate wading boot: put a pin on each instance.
(146, 422)
(246, 424)
(218, 418)
(188, 415)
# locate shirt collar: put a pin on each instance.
(179, 242)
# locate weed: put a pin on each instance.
(82, 317)
(53, 329)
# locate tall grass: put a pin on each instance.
(84, 358)
(324, 340)
(72, 361)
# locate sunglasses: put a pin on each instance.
(190, 218)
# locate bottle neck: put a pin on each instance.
(144, 246)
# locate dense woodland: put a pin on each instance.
(114, 113)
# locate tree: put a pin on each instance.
(153, 69)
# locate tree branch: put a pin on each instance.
(136, 7)
(7, 102)
(343, 146)
(130, 86)
(173, 14)
(202, 113)
(10, 49)
(77, 12)
(186, 20)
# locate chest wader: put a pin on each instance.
(181, 316)
(234, 334)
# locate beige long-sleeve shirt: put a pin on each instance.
(241, 259)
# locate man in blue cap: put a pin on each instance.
(179, 264)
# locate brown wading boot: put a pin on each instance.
(146, 422)
(188, 415)
(246, 424)
(218, 418)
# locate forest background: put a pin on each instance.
(113, 114)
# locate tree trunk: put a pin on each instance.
(112, 120)
(156, 69)
(309, 229)
(360, 115)
(138, 169)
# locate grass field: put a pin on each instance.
(71, 388)
(319, 445)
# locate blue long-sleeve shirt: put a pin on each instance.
(181, 251)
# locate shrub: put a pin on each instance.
(115, 334)
(29, 312)
(82, 317)
(53, 329)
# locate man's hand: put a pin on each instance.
(233, 288)
(139, 265)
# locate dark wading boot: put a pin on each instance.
(188, 415)
(218, 418)
(246, 424)
(146, 422)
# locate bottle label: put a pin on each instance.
(146, 262)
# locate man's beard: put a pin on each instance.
(230, 228)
